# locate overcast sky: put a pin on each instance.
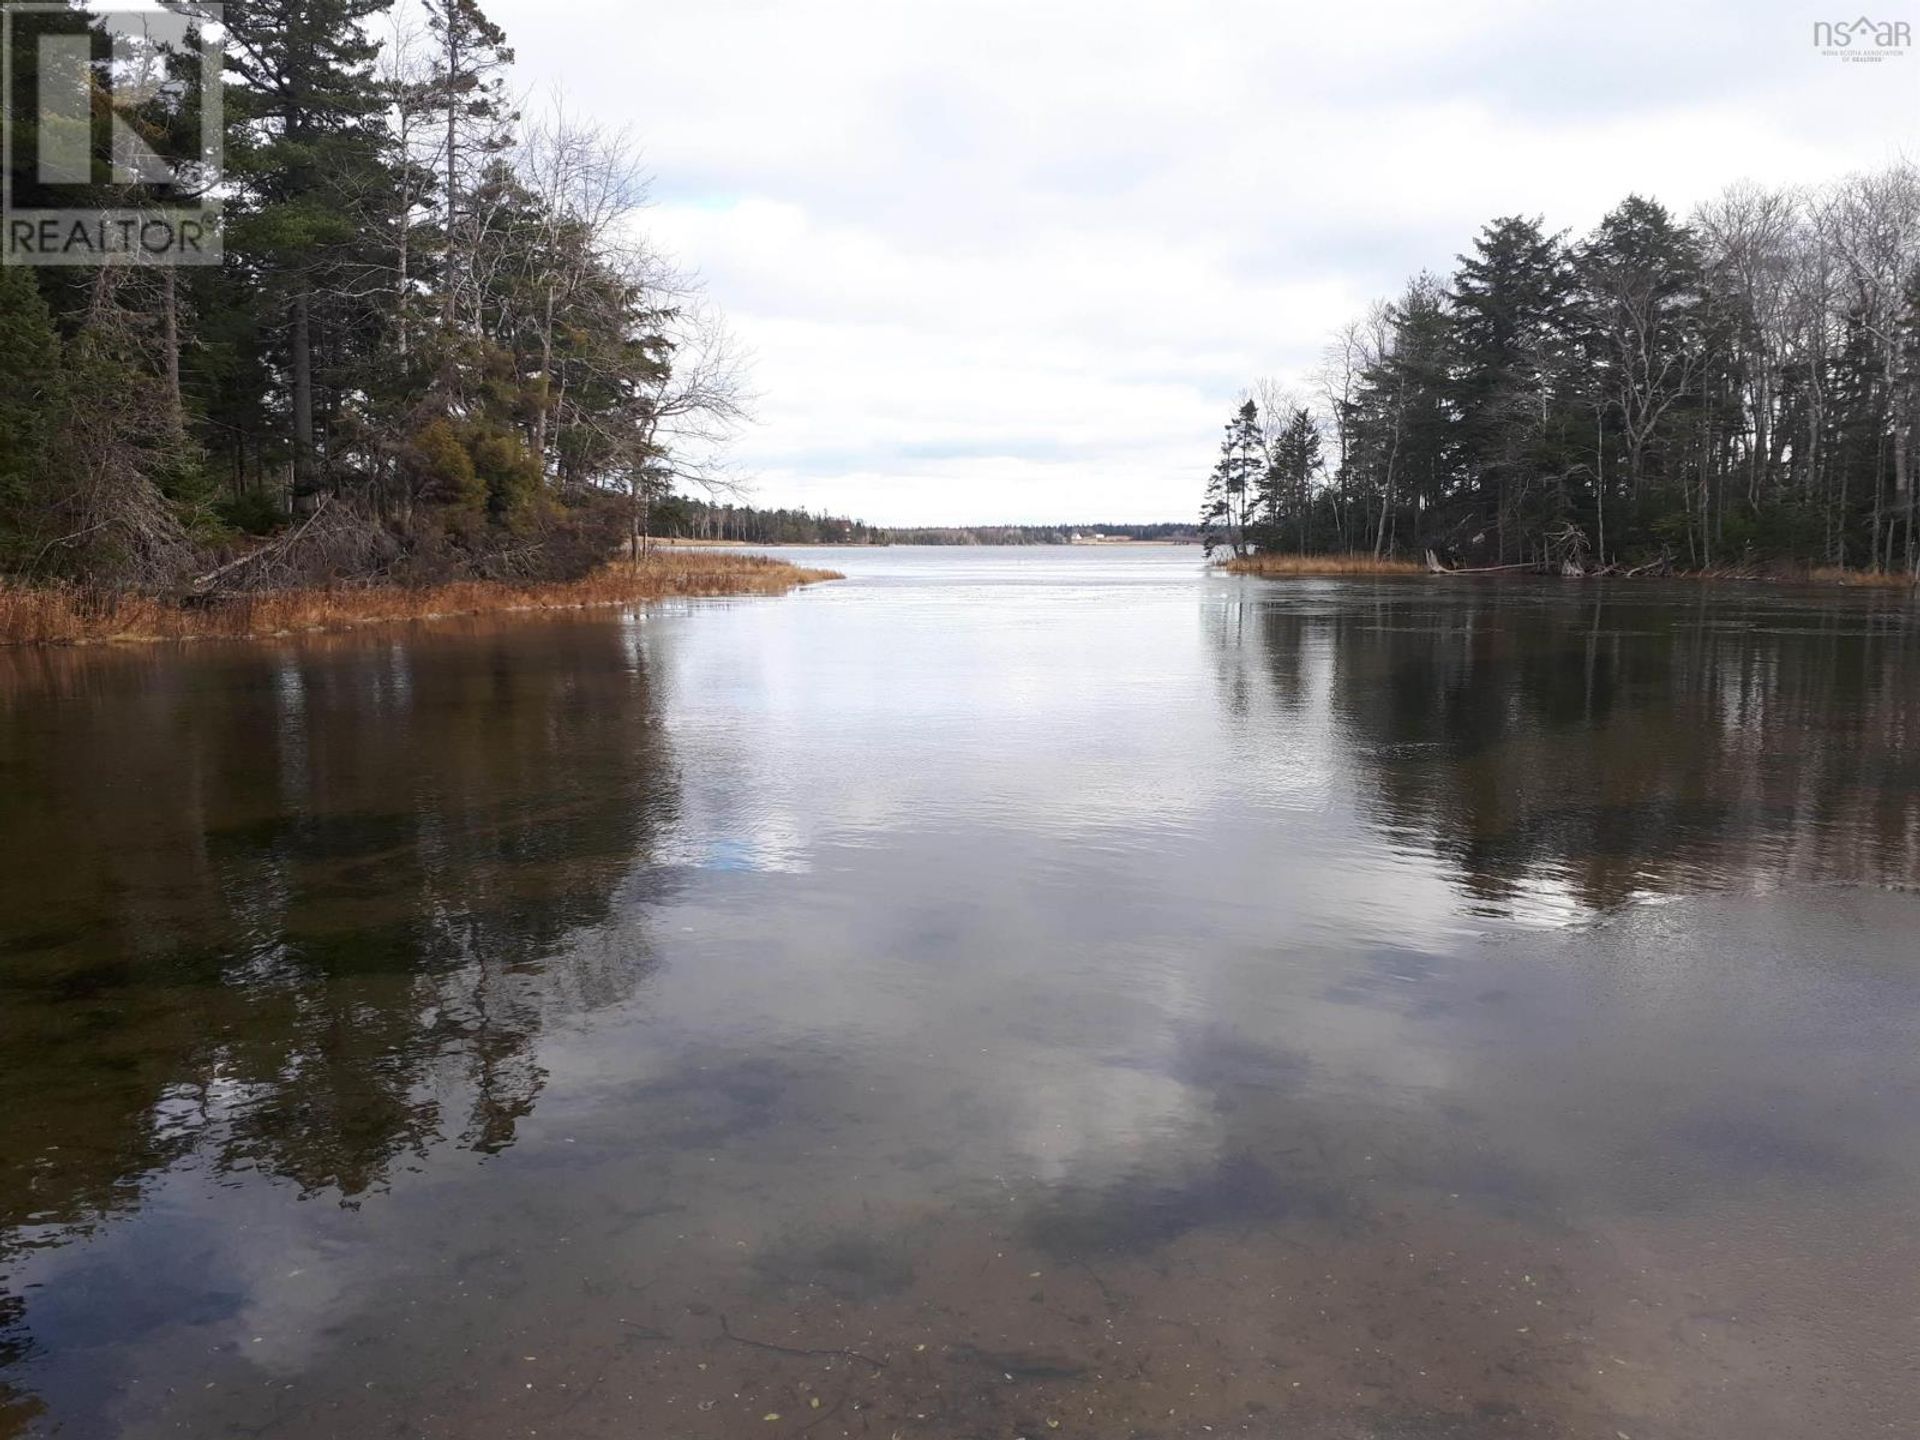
(1014, 262)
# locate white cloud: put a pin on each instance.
(1013, 263)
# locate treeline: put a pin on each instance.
(1041, 534)
(963, 535)
(1735, 388)
(436, 347)
(682, 518)
(678, 517)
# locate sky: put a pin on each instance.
(1016, 262)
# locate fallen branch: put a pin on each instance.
(284, 543)
(1490, 569)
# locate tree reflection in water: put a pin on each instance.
(305, 911)
(1604, 743)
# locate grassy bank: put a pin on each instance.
(63, 615)
(1282, 565)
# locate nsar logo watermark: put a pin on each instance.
(1863, 41)
(111, 130)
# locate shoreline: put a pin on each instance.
(59, 615)
(1304, 567)
(1281, 567)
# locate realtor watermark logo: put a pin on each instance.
(1863, 41)
(111, 134)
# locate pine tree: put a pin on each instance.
(1737, 390)
(311, 161)
(30, 393)
(1228, 505)
(466, 90)
(1400, 423)
(1509, 309)
(1284, 501)
(568, 388)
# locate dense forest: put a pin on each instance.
(1734, 389)
(437, 346)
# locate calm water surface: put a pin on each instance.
(1009, 993)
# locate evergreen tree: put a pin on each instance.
(310, 160)
(1285, 499)
(1228, 506)
(466, 91)
(1401, 440)
(31, 383)
(1735, 391)
(1510, 313)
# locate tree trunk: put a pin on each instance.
(170, 322)
(1386, 496)
(546, 387)
(453, 166)
(1902, 490)
(303, 458)
(1600, 485)
(401, 283)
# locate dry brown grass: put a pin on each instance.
(1284, 565)
(62, 615)
(1878, 579)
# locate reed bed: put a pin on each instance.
(1281, 566)
(1277, 565)
(1876, 579)
(1761, 574)
(70, 615)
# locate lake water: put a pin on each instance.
(1009, 993)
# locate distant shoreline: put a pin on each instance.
(1104, 542)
